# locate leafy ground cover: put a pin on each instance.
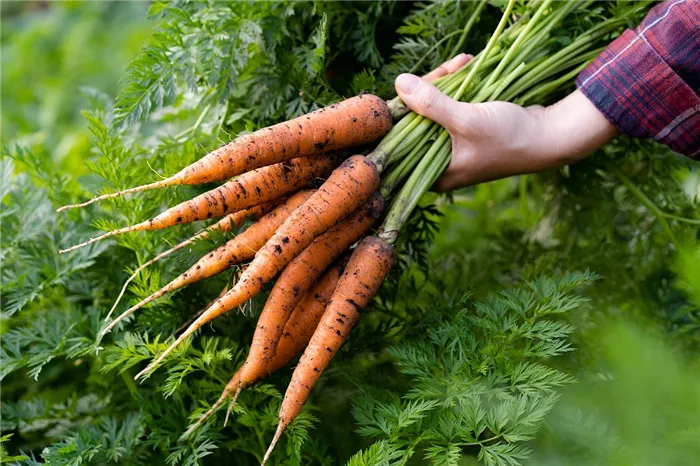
(545, 319)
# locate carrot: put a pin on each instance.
(237, 250)
(364, 274)
(248, 190)
(348, 187)
(296, 335)
(304, 320)
(352, 122)
(226, 224)
(224, 290)
(298, 277)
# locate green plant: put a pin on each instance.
(629, 214)
(478, 378)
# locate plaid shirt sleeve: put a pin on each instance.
(647, 80)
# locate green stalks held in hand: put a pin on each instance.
(522, 63)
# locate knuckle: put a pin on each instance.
(427, 100)
(462, 125)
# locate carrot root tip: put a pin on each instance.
(275, 439)
(148, 369)
(193, 328)
(109, 234)
(233, 402)
(145, 187)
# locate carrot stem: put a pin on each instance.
(404, 167)
(648, 203)
(505, 82)
(522, 72)
(476, 14)
(402, 130)
(539, 34)
(552, 85)
(407, 141)
(487, 50)
(418, 184)
(493, 76)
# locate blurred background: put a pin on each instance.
(637, 342)
(52, 52)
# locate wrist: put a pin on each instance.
(572, 129)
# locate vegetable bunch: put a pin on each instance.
(314, 208)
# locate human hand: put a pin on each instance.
(498, 139)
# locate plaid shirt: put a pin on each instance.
(647, 81)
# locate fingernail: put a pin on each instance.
(407, 83)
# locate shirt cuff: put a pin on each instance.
(638, 92)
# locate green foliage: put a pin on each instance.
(267, 59)
(478, 378)
(4, 457)
(432, 33)
(105, 441)
(428, 376)
(39, 279)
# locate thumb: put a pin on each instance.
(426, 99)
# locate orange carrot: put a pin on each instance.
(226, 224)
(352, 122)
(348, 187)
(239, 249)
(298, 277)
(304, 320)
(248, 190)
(296, 335)
(224, 290)
(364, 274)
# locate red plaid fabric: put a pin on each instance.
(647, 81)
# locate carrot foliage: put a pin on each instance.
(502, 295)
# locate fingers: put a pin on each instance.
(450, 66)
(425, 99)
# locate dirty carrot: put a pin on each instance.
(296, 335)
(239, 249)
(226, 224)
(352, 122)
(363, 275)
(348, 187)
(304, 320)
(250, 189)
(236, 275)
(298, 277)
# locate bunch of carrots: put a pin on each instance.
(314, 208)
